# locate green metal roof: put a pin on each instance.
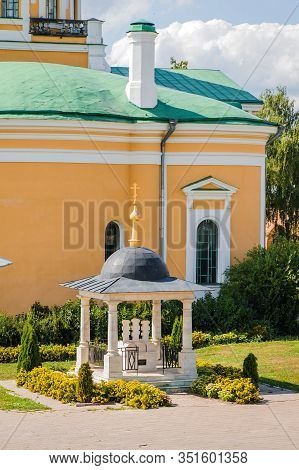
(51, 91)
(142, 25)
(210, 83)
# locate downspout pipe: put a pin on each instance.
(276, 136)
(163, 211)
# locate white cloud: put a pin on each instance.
(241, 51)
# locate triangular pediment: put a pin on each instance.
(209, 184)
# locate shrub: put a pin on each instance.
(240, 390)
(135, 394)
(199, 386)
(264, 286)
(48, 353)
(177, 332)
(200, 339)
(250, 368)
(50, 383)
(29, 356)
(85, 384)
(204, 367)
(61, 387)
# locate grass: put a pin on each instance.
(278, 361)
(9, 371)
(9, 401)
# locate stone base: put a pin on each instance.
(112, 366)
(82, 356)
(187, 361)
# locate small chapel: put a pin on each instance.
(76, 133)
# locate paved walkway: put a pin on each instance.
(193, 423)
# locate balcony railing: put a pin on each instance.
(61, 28)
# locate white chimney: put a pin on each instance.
(141, 89)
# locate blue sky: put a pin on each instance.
(164, 12)
(245, 39)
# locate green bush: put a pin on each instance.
(29, 356)
(240, 390)
(61, 387)
(226, 383)
(259, 295)
(177, 332)
(49, 383)
(204, 368)
(134, 394)
(199, 386)
(201, 340)
(250, 369)
(85, 384)
(48, 353)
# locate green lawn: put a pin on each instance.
(278, 361)
(9, 371)
(9, 401)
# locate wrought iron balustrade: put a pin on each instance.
(170, 356)
(61, 28)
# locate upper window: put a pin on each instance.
(51, 9)
(10, 8)
(206, 252)
(112, 239)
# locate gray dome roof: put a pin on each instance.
(140, 264)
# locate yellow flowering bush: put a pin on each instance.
(224, 382)
(241, 391)
(65, 389)
(48, 352)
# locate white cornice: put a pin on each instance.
(127, 157)
(43, 46)
(140, 126)
(124, 138)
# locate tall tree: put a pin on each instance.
(282, 189)
(182, 65)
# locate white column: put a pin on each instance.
(83, 348)
(112, 360)
(187, 357)
(25, 14)
(156, 321)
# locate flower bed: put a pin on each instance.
(65, 389)
(225, 383)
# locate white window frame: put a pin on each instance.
(221, 217)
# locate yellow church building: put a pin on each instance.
(76, 134)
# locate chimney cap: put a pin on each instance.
(142, 25)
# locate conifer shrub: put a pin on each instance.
(177, 332)
(250, 368)
(85, 384)
(29, 356)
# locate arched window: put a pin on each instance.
(10, 8)
(112, 239)
(206, 252)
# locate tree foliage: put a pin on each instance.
(175, 64)
(263, 288)
(29, 356)
(282, 189)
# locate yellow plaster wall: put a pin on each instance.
(31, 209)
(58, 39)
(34, 9)
(77, 59)
(32, 198)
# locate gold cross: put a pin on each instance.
(134, 188)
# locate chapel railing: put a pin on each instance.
(61, 28)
